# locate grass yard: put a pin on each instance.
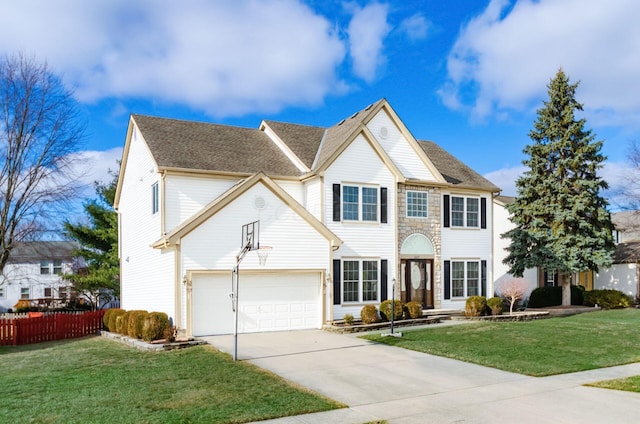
(94, 380)
(631, 384)
(538, 348)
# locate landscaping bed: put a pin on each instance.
(155, 345)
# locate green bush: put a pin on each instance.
(369, 314)
(135, 322)
(113, 318)
(385, 310)
(543, 297)
(413, 310)
(495, 304)
(476, 306)
(154, 326)
(348, 319)
(607, 299)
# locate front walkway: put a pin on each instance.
(403, 386)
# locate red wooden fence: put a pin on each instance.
(49, 327)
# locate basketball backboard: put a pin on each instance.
(251, 236)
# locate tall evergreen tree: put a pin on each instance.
(97, 279)
(561, 220)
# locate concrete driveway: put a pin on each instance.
(402, 386)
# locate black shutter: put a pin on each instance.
(336, 281)
(483, 212)
(447, 279)
(483, 276)
(445, 216)
(383, 205)
(336, 202)
(383, 279)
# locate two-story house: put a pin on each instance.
(351, 212)
(33, 274)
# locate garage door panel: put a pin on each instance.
(270, 302)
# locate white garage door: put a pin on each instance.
(268, 302)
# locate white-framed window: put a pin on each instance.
(57, 266)
(2, 292)
(25, 293)
(45, 267)
(155, 198)
(417, 204)
(465, 278)
(360, 280)
(465, 211)
(359, 203)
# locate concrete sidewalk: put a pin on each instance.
(402, 386)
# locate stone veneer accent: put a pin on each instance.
(430, 227)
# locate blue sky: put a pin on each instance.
(467, 74)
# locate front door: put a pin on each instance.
(418, 286)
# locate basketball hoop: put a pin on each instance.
(263, 253)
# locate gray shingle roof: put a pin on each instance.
(627, 253)
(37, 250)
(211, 147)
(454, 171)
(303, 140)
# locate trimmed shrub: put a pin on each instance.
(413, 310)
(122, 323)
(348, 319)
(369, 314)
(154, 326)
(107, 316)
(476, 306)
(607, 299)
(135, 322)
(495, 304)
(552, 296)
(385, 310)
(113, 318)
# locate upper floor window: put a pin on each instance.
(362, 203)
(469, 212)
(155, 198)
(50, 267)
(417, 204)
(24, 292)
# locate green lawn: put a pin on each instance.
(94, 380)
(538, 348)
(631, 384)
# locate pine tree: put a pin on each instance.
(97, 280)
(561, 220)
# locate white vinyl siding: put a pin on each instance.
(401, 152)
(186, 195)
(357, 164)
(147, 275)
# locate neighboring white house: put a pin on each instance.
(624, 275)
(348, 210)
(33, 273)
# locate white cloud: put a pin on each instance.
(224, 57)
(504, 58)
(415, 27)
(96, 165)
(367, 29)
(505, 179)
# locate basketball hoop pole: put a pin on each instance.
(250, 241)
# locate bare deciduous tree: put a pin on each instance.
(39, 131)
(513, 290)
